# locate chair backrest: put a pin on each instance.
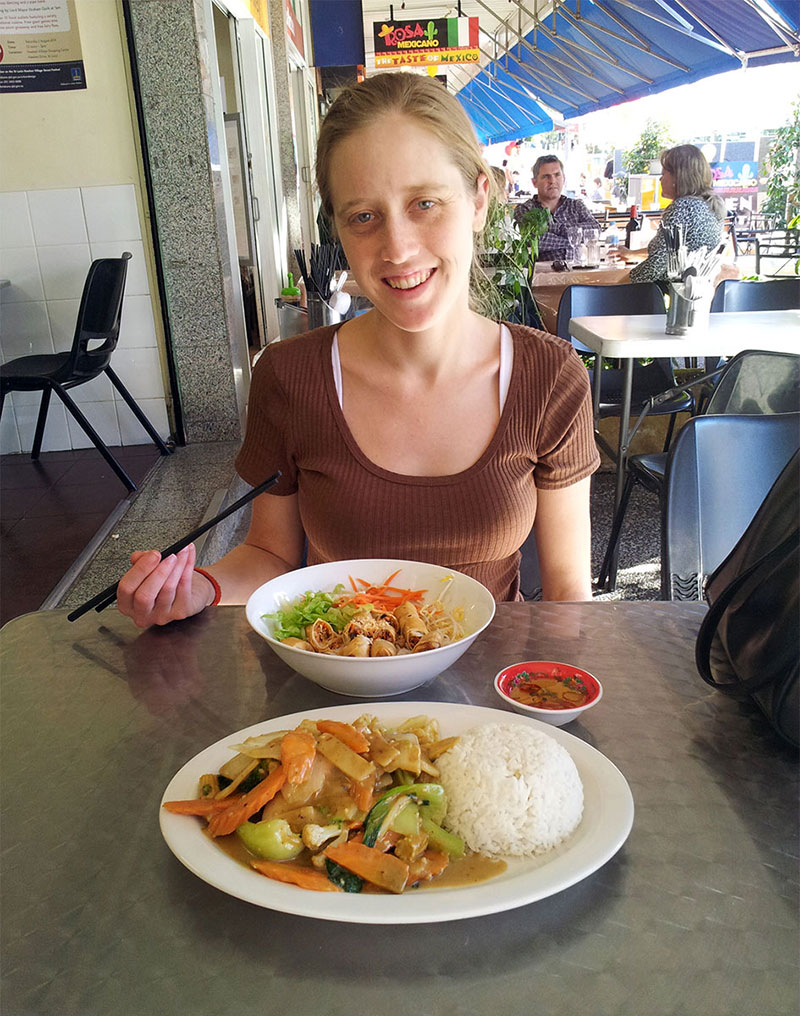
(602, 301)
(758, 382)
(626, 298)
(719, 470)
(777, 294)
(97, 327)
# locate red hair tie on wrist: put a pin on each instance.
(214, 583)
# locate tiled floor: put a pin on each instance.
(49, 511)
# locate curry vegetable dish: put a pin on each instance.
(369, 620)
(335, 806)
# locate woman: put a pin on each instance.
(686, 178)
(421, 429)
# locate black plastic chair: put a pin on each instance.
(648, 379)
(752, 383)
(98, 322)
(720, 469)
(777, 294)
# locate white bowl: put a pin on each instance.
(547, 668)
(372, 677)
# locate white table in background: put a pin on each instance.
(636, 336)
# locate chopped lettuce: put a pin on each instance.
(294, 619)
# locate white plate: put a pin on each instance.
(606, 822)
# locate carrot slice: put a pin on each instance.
(384, 870)
(294, 874)
(225, 822)
(346, 733)
(202, 805)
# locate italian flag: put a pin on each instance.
(462, 33)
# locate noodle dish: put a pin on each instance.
(371, 627)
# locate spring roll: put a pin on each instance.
(412, 627)
(298, 644)
(382, 647)
(431, 641)
(358, 646)
(322, 637)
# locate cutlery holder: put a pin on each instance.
(686, 313)
(320, 313)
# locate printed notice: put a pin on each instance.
(40, 46)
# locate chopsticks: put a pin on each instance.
(317, 274)
(107, 596)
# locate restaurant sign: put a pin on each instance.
(40, 47)
(415, 43)
(731, 178)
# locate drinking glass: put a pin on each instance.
(591, 239)
(574, 241)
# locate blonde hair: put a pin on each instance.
(433, 108)
(422, 99)
(692, 175)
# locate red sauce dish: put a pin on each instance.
(553, 692)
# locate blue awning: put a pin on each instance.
(591, 54)
(502, 111)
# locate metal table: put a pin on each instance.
(696, 914)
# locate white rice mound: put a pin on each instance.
(511, 790)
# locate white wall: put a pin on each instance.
(48, 239)
(70, 192)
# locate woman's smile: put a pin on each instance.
(408, 282)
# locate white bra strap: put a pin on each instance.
(506, 364)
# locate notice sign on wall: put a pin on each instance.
(40, 46)
(415, 43)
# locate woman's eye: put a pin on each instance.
(362, 218)
(426, 204)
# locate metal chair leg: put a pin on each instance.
(670, 431)
(41, 420)
(96, 440)
(607, 579)
(137, 412)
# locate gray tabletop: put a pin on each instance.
(697, 913)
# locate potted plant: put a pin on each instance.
(508, 258)
(782, 168)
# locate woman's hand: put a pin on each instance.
(153, 591)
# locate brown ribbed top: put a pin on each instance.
(473, 521)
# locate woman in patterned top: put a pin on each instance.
(686, 178)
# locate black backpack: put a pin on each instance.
(749, 641)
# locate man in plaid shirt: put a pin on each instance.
(548, 179)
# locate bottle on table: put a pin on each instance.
(610, 242)
(633, 226)
(290, 293)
